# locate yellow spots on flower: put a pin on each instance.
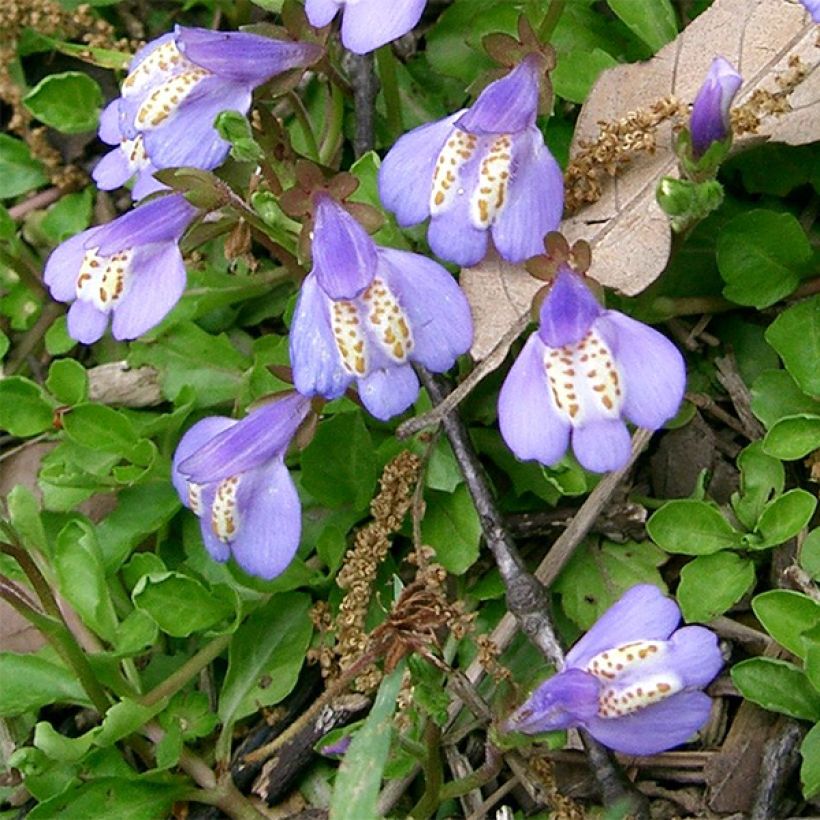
(165, 99)
(614, 662)
(163, 60)
(617, 701)
(458, 149)
(103, 280)
(349, 335)
(493, 178)
(584, 380)
(224, 512)
(387, 321)
(135, 153)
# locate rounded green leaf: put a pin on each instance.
(24, 410)
(101, 428)
(793, 437)
(761, 256)
(777, 686)
(810, 554)
(795, 335)
(810, 768)
(69, 102)
(710, 584)
(20, 172)
(452, 528)
(785, 615)
(775, 395)
(653, 21)
(67, 381)
(784, 517)
(691, 527)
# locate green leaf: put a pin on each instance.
(777, 686)
(81, 576)
(810, 554)
(576, 73)
(451, 526)
(356, 791)
(19, 171)
(598, 574)
(67, 381)
(266, 655)
(59, 747)
(180, 605)
(339, 466)
(810, 640)
(795, 335)
(123, 719)
(24, 514)
(58, 342)
(235, 129)
(761, 256)
(784, 517)
(24, 410)
(101, 428)
(653, 21)
(29, 682)
(761, 476)
(191, 711)
(68, 216)
(691, 528)
(793, 437)
(786, 615)
(69, 102)
(810, 768)
(710, 584)
(775, 396)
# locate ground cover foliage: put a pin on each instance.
(438, 578)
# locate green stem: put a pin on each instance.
(192, 667)
(386, 62)
(303, 118)
(480, 777)
(32, 572)
(430, 800)
(333, 131)
(550, 21)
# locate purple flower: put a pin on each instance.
(232, 475)
(366, 312)
(483, 170)
(130, 268)
(580, 375)
(709, 121)
(366, 24)
(813, 8)
(633, 681)
(176, 86)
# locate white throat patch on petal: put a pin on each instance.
(489, 198)
(617, 701)
(164, 101)
(103, 280)
(458, 149)
(584, 380)
(224, 511)
(163, 62)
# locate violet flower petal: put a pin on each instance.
(651, 367)
(112, 171)
(314, 356)
(408, 166)
(63, 265)
(643, 613)
(215, 547)
(367, 25)
(529, 423)
(344, 256)
(263, 434)
(156, 283)
(195, 437)
(438, 313)
(601, 444)
(813, 8)
(655, 728)
(386, 392)
(568, 311)
(86, 324)
(321, 12)
(534, 199)
(709, 121)
(109, 131)
(162, 220)
(269, 521)
(146, 184)
(453, 237)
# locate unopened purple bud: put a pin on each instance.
(709, 121)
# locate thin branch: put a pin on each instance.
(365, 88)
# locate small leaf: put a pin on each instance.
(810, 768)
(653, 21)
(710, 584)
(24, 410)
(30, 682)
(69, 102)
(777, 686)
(775, 395)
(452, 528)
(20, 172)
(793, 437)
(761, 476)
(24, 514)
(101, 428)
(691, 528)
(67, 381)
(784, 517)
(810, 554)
(786, 615)
(795, 335)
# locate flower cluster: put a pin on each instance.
(232, 475)
(580, 375)
(175, 88)
(633, 681)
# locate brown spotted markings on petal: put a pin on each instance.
(350, 338)
(135, 153)
(164, 100)
(617, 701)
(103, 280)
(224, 512)
(195, 498)
(584, 380)
(458, 149)
(388, 322)
(611, 664)
(493, 178)
(163, 61)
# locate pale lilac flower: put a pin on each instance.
(130, 270)
(367, 24)
(232, 475)
(176, 86)
(366, 312)
(580, 375)
(709, 121)
(813, 8)
(633, 681)
(482, 171)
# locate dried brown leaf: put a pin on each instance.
(629, 234)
